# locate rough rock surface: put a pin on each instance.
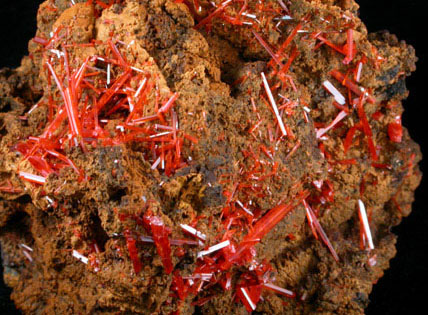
(239, 164)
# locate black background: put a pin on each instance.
(403, 288)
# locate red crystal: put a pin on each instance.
(216, 12)
(320, 230)
(9, 188)
(366, 128)
(395, 130)
(349, 47)
(133, 253)
(279, 290)
(351, 85)
(261, 228)
(160, 237)
(249, 296)
(178, 285)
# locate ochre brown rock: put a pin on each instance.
(235, 166)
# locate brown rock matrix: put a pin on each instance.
(203, 157)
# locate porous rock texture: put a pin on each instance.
(237, 171)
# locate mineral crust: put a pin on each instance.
(203, 157)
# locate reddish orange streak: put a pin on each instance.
(351, 85)
(213, 14)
